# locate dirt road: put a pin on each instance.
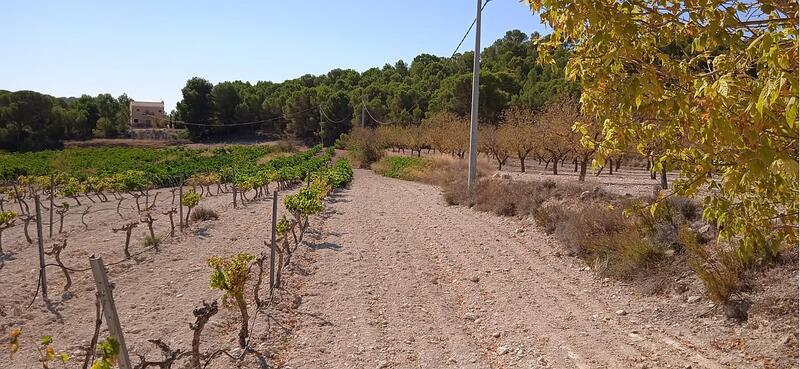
(398, 279)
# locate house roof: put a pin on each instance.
(151, 104)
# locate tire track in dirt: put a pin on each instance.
(407, 281)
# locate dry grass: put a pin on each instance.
(150, 241)
(200, 214)
(286, 146)
(717, 267)
(589, 223)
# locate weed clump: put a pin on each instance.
(151, 241)
(201, 214)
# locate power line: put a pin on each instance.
(331, 120)
(370, 114)
(284, 117)
(469, 30)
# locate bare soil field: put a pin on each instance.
(392, 277)
(155, 292)
(398, 279)
(629, 179)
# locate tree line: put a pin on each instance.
(320, 108)
(316, 108)
(546, 134)
(31, 121)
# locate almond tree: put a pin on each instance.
(555, 130)
(493, 144)
(717, 84)
(517, 131)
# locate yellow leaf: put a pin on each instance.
(722, 87)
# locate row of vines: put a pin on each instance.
(247, 180)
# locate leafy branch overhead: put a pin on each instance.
(709, 88)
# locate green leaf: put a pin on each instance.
(791, 113)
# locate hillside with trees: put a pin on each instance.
(312, 108)
(31, 121)
(399, 93)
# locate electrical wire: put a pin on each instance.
(284, 117)
(469, 30)
(334, 121)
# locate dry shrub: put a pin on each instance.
(504, 197)
(151, 241)
(688, 209)
(200, 214)
(285, 146)
(585, 222)
(364, 147)
(607, 239)
(717, 267)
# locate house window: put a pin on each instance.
(159, 110)
(136, 121)
(137, 109)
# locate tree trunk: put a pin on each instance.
(575, 161)
(584, 164)
(243, 331)
(664, 177)
(618, 164)
(555, 165)
(610, 166)
(522, 163)
(651, 164)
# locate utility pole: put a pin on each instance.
(473, 124)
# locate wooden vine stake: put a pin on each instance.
(272, 242)
(40, 238)
(104, 292)
(234, 188)
(180, 205)
(52, 197)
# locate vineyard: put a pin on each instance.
(147, 214)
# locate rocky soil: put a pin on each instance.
(397, 279)
(392, 277)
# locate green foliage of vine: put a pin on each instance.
(230, 276)
(190, 199)
(109, 353)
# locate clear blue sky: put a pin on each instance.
(149, 49)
